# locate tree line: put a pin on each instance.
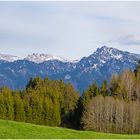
(112, 107)
(45, 102)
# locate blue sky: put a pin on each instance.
(69, 29)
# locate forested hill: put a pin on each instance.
(100, 65)
(113, 107)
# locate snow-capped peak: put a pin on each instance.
(9, 58)
(107, 50)
(39, 58)
(109, 53)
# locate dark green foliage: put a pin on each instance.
(28, 108)
(19, 112)
(46, 102)
(78, 112)
(114, 85)
(91, 92)
(8, 103)
(83, 101)
(3, 109)
(34, 83)
(104, 90)
(68, 104)
(137, 70)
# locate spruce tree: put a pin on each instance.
(3, 109)
(9, 103)
(91, 92)
(103, 90)
(27, 107)
(19, 111)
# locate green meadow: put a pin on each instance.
(20, 130)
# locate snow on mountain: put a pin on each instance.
(74, 61)
(9, 58)
(98, 66)
(36, 58)
(39, 58)
(108, 60)
(105, 54)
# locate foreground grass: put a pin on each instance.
(11, 129)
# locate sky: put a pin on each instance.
(69, 29)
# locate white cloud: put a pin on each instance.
(130, 40)
(71, 29)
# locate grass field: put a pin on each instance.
(11, 129)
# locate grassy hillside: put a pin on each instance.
(11, 129)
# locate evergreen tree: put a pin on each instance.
(78, 112)
(91, 92)
(42, 102)
(34, 83)
(27, 107)
(114, 84)
(48, 111)
(3, 110)
(137, 70)
(19, 111)
(9, 103)
(104, 91)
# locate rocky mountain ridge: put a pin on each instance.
(98, 66)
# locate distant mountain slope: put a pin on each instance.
(98, 66)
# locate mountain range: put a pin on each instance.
(100, 65)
